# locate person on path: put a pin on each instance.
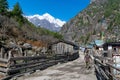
(87, 59)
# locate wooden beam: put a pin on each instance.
(101, 71)
(103, 58)
(96, 67)
(22, 73)
(4, 60)
(32, 66)
(28, 58)
(28, 63)
(104, 74)
(114, 77)
(97, 60)
(4, 70)
(113, 66)
(10, 70)
(3, 65)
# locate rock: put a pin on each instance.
(27, 45)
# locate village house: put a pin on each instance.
(114, 53)
(63, 47)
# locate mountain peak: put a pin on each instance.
(46, 20)
(48, 15)
(49, 18)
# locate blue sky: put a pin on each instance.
(62, 9)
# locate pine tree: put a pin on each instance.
(3, 7)
(17, 13)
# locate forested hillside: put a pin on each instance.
(100, 20)
(14, 26)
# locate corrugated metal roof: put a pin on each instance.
(99, 42)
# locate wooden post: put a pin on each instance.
(2, 52)
(25, 52)
(9, 54)
(20, 50)
(109, 61)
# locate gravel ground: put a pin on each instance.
(74, 70)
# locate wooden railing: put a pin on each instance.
(104, 67)
(16, 66)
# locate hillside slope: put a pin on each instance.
(10, 29)
(100, 20)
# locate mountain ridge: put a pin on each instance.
(100, 20)
(47, 21)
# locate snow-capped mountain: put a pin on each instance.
(47, 21)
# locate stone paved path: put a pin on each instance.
(74, 70)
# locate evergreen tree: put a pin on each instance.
(17, 13)
(3, 7)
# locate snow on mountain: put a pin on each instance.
(47, 21)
